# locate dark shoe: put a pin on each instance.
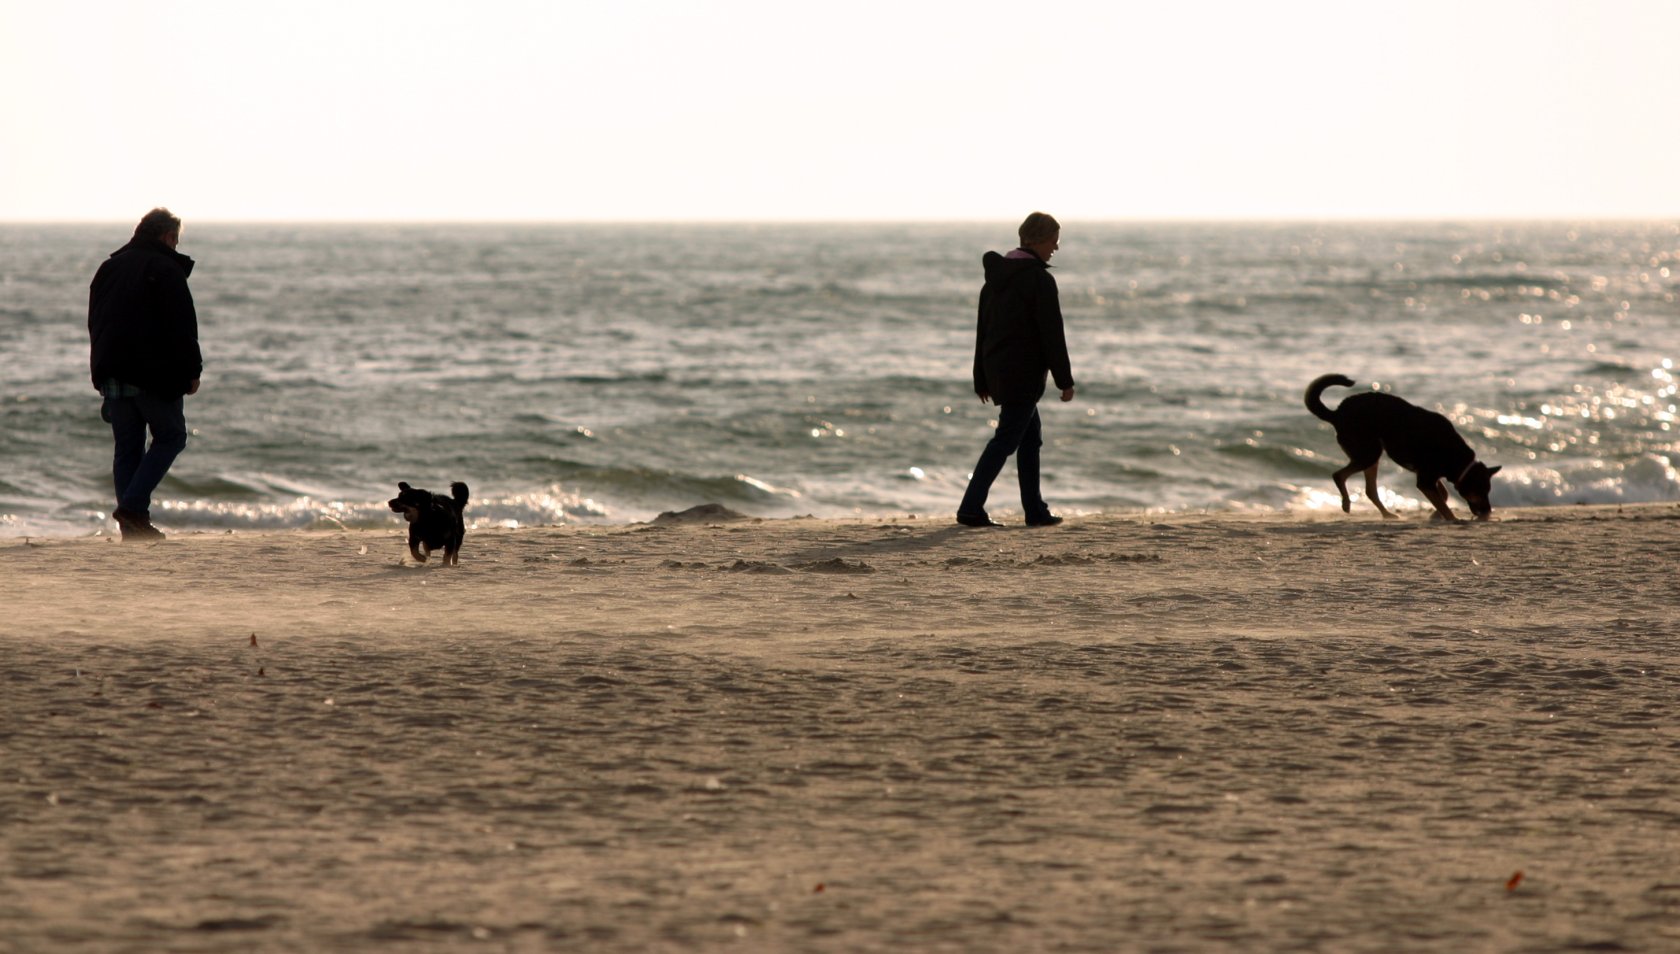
(1048, 520)
(136, 526)
(976, 520)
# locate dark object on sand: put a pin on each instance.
(702, 513)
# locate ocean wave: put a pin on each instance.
(182, 483)
(645, 486)
(629, 495)
(548, 506)
(1277, 458)
(1648, 478)
(1519, 281)
(1615, 371)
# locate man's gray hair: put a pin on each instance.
(158, 223)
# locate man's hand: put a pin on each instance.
(1067, 394)
(193, 387)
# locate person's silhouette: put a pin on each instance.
(145, 360)
(1018, 344)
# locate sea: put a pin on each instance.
(606, 373)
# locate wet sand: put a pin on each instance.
(1162, 733)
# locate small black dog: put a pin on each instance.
(434, 521)
(1421, 441)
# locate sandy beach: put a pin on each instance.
(1131, 732)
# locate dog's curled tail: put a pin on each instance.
(458, 490)
(1315, 403)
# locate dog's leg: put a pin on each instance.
(1354, 466)
(1437, 495)
(414, 545)
(1442, 502)
(1340, 477)
(1371, 492)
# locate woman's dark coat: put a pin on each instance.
(1020, 339)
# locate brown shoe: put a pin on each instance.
(136, 526)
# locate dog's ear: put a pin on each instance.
(1494, 470)
(403, 485)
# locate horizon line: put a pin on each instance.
(951, 220)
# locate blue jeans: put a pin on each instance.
(135, 468)
(1018, 433)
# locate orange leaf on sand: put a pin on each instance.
(1516, 879)
(253, 639)
(818, 889)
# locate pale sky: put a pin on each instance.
(782, 109)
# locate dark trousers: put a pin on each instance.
(135, 468)
(1018, 433)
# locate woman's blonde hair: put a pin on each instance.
(1038, 227)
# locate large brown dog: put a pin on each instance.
(1421, 441)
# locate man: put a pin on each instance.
(145, 360)
(1019, 343)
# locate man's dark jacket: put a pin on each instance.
(142, 321)
(1020, 338)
